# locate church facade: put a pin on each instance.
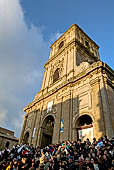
(76, 99)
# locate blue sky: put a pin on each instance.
(27, 29)
(96, 18)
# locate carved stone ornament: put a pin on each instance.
(53, 110)
(83, 66)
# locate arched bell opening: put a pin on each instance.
(47, 131)
(84, 127)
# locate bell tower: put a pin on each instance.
(69, 55)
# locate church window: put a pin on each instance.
(86, 43)
(56, 75)
(61, 44)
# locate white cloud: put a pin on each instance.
(3, 115)
(17, 123)
(23, 51)
(54, 37)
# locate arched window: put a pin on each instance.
(61, 44)
(56, 75)
(87, 44)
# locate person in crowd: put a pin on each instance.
(94, 161)
(67, 155)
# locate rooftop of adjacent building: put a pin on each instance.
(6, 133)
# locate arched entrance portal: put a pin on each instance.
(26, 138)
(47, 131)
(84, 127)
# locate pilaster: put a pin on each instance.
(105, 107)
(99, 124)
(23, 129)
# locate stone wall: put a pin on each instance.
(7, 136)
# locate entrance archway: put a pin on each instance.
(84, 126)
(47, 131)
(26, 138)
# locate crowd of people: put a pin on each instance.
(67, 155)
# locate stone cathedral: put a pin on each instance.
(76, 99)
